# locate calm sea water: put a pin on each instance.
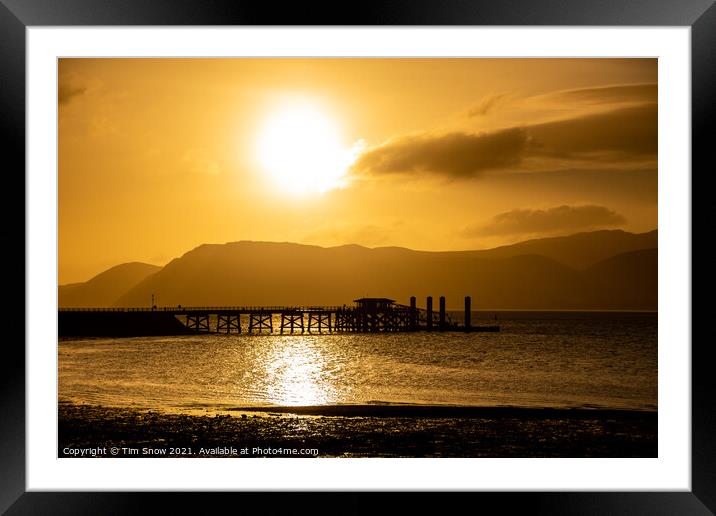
(544, 359)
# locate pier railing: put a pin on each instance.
(382, 315)
(181, 309)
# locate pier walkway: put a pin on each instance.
(368, 315)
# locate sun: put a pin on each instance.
(300, 148)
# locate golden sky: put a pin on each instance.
(157, 156)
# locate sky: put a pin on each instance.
(158, 156)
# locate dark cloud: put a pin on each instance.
(604, 185)
(487, 105)
(66, 92)
(622, 133)
(625, 134)
(547, 221)
(452, 155)
(609, 94)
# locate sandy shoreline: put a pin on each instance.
(358, 431)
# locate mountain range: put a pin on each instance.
(105, 288)
(599, 270)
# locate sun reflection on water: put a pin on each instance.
(296, 374)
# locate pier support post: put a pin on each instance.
(228, 323)
(468, 313)
(429, 306)
(442, 313)
(260, 321)
(320, 320)
(198, 323)
(292, 320)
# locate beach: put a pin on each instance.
(358, 431)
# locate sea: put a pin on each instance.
(538, 359)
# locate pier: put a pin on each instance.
(367, 315)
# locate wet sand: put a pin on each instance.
(357, 431)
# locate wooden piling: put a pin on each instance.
(468, 313)
(429, 319)
(413, 313)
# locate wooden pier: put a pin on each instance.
(367, 315)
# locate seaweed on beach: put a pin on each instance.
(589, 435)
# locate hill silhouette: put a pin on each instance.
(529, 275)
(105, 288)
(581, 249)
(630, 277)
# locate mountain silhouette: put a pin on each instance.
(630, 277)
(596, 270)
(105, 288)
(579, 250)
(529, 275)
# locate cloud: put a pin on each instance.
(487, 105)
(615, 136)
(622, 133)
(623, 93)
(70, 84)
(547, 221)
(453, 155)
(629, 184)
(66, 92)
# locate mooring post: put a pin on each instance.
(429, 306)
(413, 313)
(468, 313)
(442, 313)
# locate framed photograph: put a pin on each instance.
(424, 247)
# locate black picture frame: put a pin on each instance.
(17, 15)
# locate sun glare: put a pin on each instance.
(300, 147)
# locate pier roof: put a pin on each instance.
(374, 300)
